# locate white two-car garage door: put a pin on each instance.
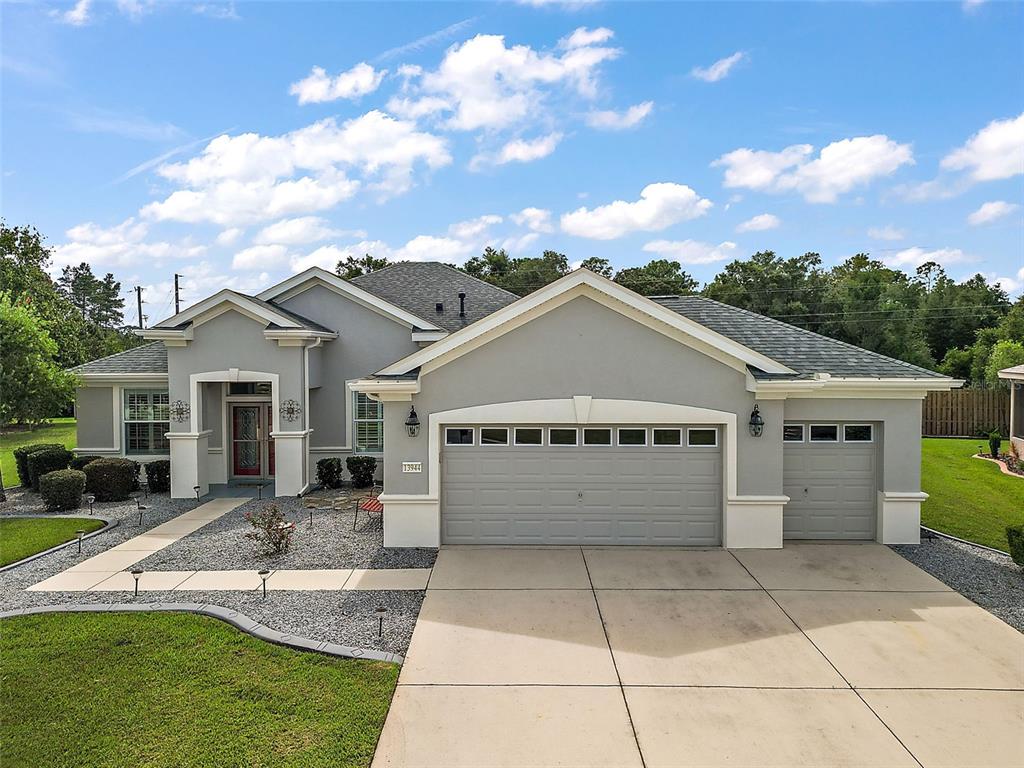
(589, 485)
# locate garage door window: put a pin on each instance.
(458, 436)
(824, 433)
(857, 433)
(702, 438)
(592, 436)
(632, 436)
(493, 435)
(529, 436)
(562, 437)
(793, 433)
(668, 436)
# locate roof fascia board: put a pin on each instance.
(855, 387)
(220, 302)
(115, 377)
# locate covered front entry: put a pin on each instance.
(598, 485)
(252, 448)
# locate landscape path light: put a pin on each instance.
(136, 573)
(80, 533)
(381, 610)
(91, 499)
(264, 575)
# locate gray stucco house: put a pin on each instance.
(582, 413)
(1014, 377)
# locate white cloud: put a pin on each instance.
(318, 86)
(535, 219)
(519, 244)
(581, 37)
(522, 151)
(994, 152)
(970, 6)
(839, 167)
(569, 5)
(225, 11)
(135, 9)
(299, 231)
(265, 257)
(230, 236)
(1012, 285)
(760, 223)
(719, 70)
(123, 125)
(474, 228)
(198, 281)
(76, 16)
(610, 120)
(888, 232)
(422, 42)
(992, 211)
(691, 251)
(121, 245)
(660, 205)
(328, 256)
(916, 256)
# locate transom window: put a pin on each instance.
(367, 424)
(702, 437)
(632, 436)
(824, 433)
(857, 433)
(793, 433)
(249, 388)
(458, 436)
(562, 436)
(529, 436)
(667, 436)
(146, 422)
(597, 436)
(493, 435)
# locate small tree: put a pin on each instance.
(1005, 354)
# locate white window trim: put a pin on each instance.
(515, 438)
(859, 442)
(124, 421)
(611, 437)
(472, 433)
(810, 439)
(574, 444)
(679, 434)
(350, 432)
(493, 445)
(804, 433)
(620, 444)
(701, 429)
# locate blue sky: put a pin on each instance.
(238, 143)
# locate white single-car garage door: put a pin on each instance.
(623, 484)
(829, 475)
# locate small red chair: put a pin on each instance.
(371, 505)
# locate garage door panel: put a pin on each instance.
(832, 491)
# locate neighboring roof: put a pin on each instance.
(149, 358)
(1016, 372)
(418, 286)
(804, 351)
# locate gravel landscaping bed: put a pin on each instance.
(329, 543)
(990, 579)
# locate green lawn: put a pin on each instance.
(968, 498)
(21, 537)
(57, 431)
(164, 689)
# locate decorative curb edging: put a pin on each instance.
(941, 535)
(1002, 466)
(111, 522)
(234, 618)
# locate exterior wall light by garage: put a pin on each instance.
(412, 424)
(756, 422)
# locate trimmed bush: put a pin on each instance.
(362, 469)
(46, 460)
(21, 460)
(994, 442)
(79, 462)
(158, 475)
(111, 479)
(1015, 538)
(62, 489)
(328, 472)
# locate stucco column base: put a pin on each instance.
(899, 517)
(187, 469)
(753, 522)
(290, 462)
(411, 521)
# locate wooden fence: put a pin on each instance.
(966, 412)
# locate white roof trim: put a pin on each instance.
(1015, 372)
(313, 276)
(579, 282)
(134, 377)
(225, 296)
(851, 386)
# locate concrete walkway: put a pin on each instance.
(816, 654)
(109, 570)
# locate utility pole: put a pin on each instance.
(177, 294)
(138, 296)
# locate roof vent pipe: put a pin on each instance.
(462, 303)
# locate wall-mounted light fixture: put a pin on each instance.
(756, 422)
(412, 424)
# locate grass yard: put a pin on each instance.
(57, 431)
(21, 537)
(165, 689)
(968, 498)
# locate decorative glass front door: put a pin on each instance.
(252, 449)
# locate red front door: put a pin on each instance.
(252, 449)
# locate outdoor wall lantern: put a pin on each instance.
(412, 424)
(756, 422)
(180, 410)
(291, 410)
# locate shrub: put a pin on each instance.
(1015, 538)
(21, 459)
(271, 532)
(46, 460)
(111, 479)
(158, 475)
(79, 462)
(328, 472)
(994, 441)
(362, 469)
(62, 489)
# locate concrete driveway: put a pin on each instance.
(816, 654)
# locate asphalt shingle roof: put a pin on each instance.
(418, 286)
(804, 351)
(305, 322)
(149, 358)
